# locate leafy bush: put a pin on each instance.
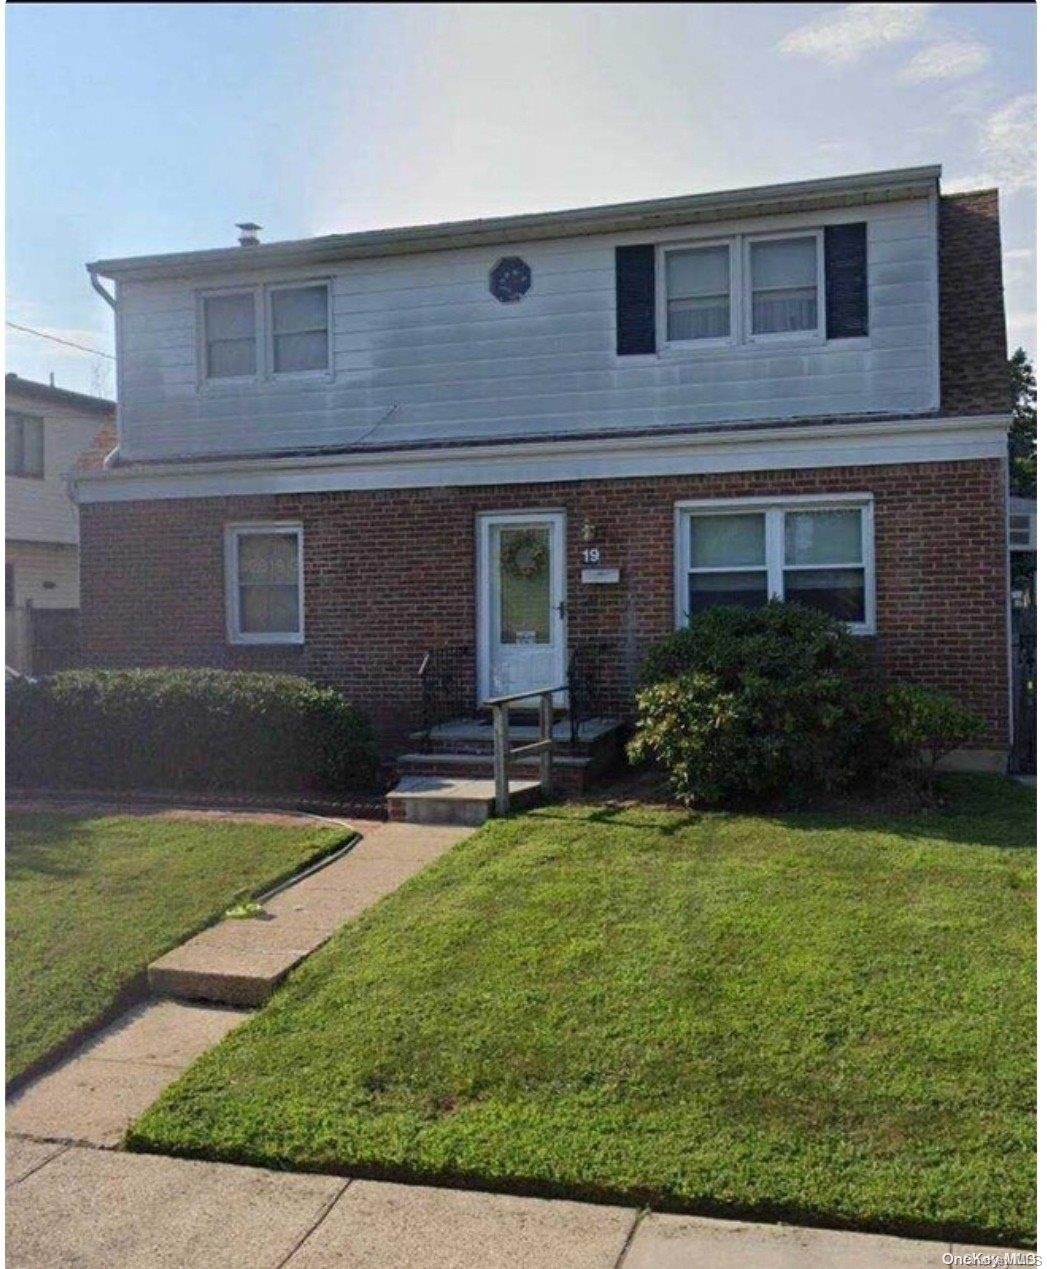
(187, 729)
(754, 705)
(923, 725)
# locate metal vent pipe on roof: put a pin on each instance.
(248, 233)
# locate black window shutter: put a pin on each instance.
(846, 281)
(634, 287)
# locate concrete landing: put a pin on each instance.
(431, 799)
(241, 962)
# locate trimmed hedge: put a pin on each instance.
(215, 730)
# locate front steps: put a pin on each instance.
(448, 777)
(465, 749)
(420, 799)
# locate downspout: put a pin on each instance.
(111, 458)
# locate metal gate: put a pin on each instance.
(1023, 661)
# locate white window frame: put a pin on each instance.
(264, 335)
(233, 534)
(740, 274)
(662, 291)
(201, 328)
(773, 510)
(785, 336)
(270, 331)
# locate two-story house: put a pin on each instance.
(47, 431)
(509, 441)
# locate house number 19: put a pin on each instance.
(591, 555)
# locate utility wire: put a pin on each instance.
(28, 330)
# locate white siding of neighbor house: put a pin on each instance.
(46, 574)
(422, 333)
(41, 510)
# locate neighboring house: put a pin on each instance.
(516, 441)
(47, 431)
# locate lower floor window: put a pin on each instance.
(264, 583)
(817, 553)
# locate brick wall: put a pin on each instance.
(972, 329)
(392, 573)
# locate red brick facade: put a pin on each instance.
(390, 574)
(972, 329)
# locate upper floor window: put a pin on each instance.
(299, 328)
(744, 289)
(698, 293)
(24, 440)
(744, 553)
(230, 336)
(275, 330)
(783, 281)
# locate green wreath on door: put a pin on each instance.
(525, 555)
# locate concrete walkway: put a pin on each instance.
(73, 1205)
(95, 1095)
(241, 962)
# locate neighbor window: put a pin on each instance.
(818, 554)
(298, 315)
(264, 583)
(698, 293)
(783, 276)
(24, 440)
(229, 331)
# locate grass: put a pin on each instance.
(819, 1018)
(92, 900)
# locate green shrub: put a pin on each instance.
(187, 729)
(923, 725)
(754, 705)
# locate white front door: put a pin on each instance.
(521, 635)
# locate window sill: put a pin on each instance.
(266, 641)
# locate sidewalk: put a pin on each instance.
(71, 1205)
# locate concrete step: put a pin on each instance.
(242, 962)
(428, 799)
(472, 736)
(570, 772)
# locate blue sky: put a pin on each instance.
(142, 128)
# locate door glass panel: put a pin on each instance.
(523, 575)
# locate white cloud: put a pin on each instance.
(847, 33)
(1008, 144)
(945, 59)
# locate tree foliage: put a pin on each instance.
(1022, 439)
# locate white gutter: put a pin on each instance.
(868, 187)
(764, 448)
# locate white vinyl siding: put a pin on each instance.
(744, 552)
(420, 333)
(264, 583)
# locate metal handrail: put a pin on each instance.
(504, 753)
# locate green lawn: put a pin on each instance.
(818, 1018)
(91, 901)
